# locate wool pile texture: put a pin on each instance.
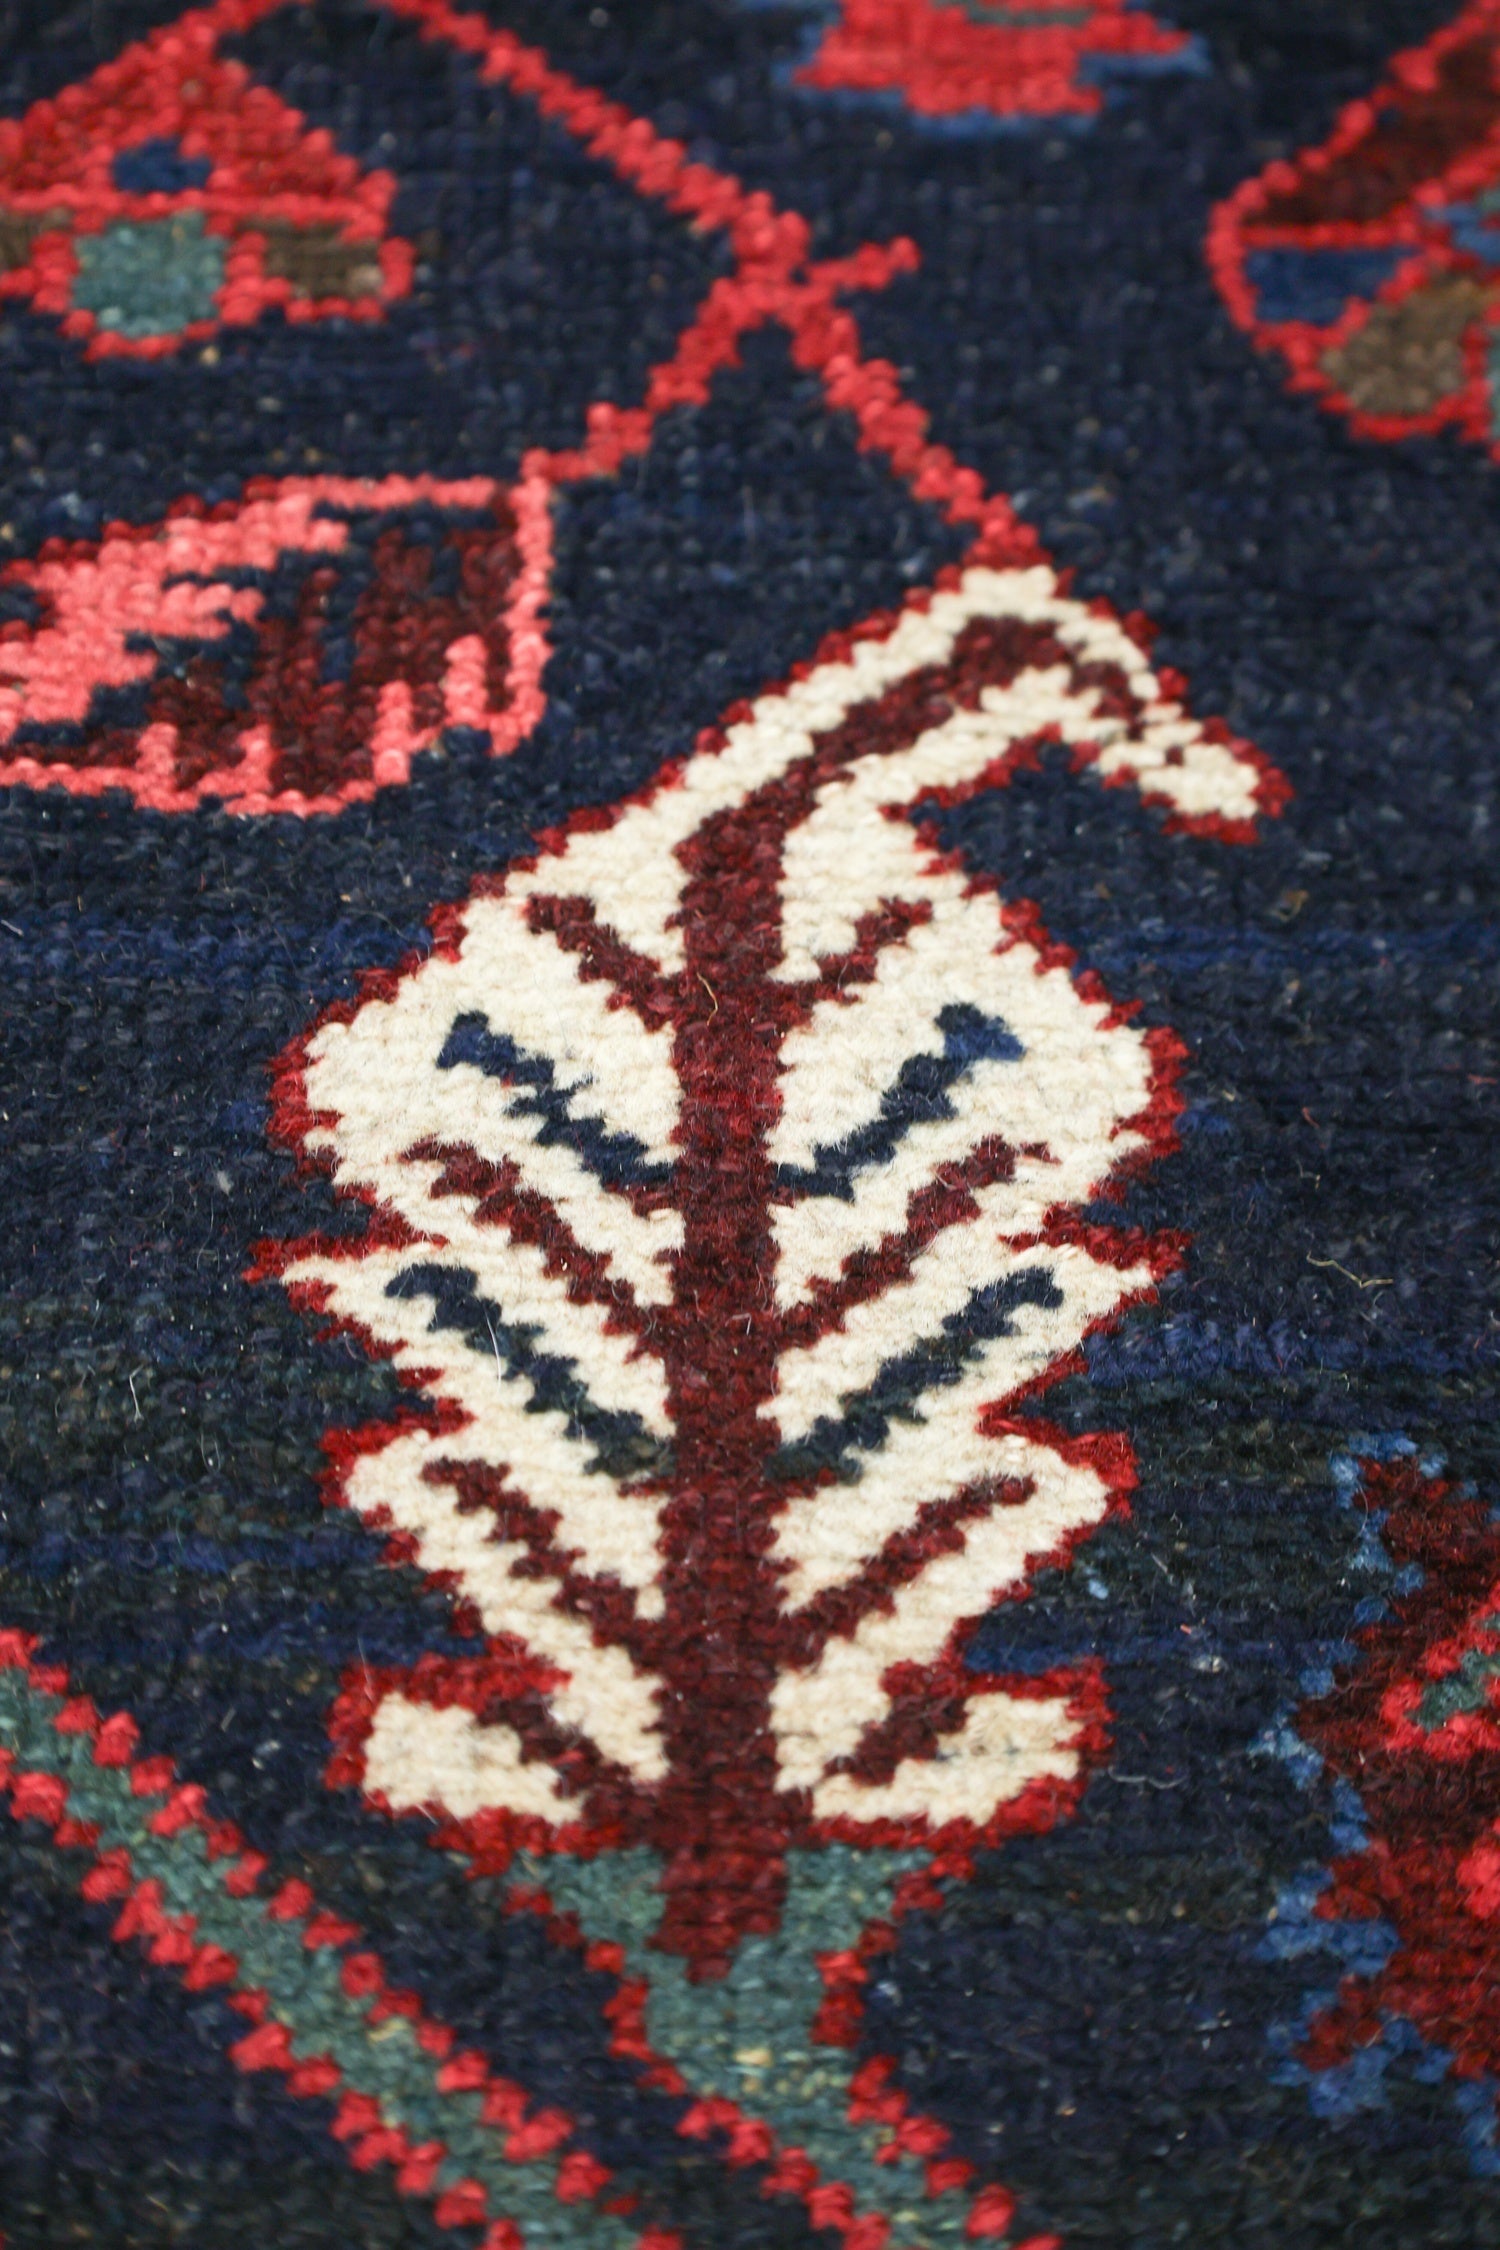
(749, 1066)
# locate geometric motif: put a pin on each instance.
(725, 1174)
(724, 1189)
(169, 195)
(1372, 262)
(289, 651)
(970, 62)
(749, 1026)
(1411, 1730)
(187, 1889)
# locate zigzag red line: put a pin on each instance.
(170, 1940)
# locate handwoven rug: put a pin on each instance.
(747, 883)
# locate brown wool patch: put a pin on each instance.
(1408, 357)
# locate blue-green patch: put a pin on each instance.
(150, 277)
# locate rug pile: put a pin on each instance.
(748, 1478)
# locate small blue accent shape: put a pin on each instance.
(1475, 227)
(917, 1096)
(1315, 285)
(1476, 2103)
(619, 1160)
(1190, 61)
(1296, 1930)
(158, 167)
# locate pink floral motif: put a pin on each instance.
(190, 660)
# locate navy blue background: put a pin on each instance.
(1093, 2014)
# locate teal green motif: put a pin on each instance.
(1006, 15)
(745, 2036)
(304, 1987)
(1469, 1687)
(150, 277)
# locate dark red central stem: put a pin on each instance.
(721, 1824)
(720, 1821)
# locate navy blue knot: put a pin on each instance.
(158, 167)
